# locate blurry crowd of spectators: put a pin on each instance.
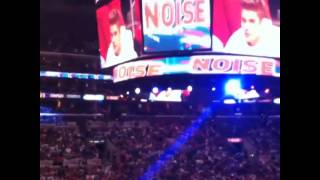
(131, 147)
(66, 154)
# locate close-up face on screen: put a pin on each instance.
(246, 27)
(119, 31)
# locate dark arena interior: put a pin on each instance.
(159, 90)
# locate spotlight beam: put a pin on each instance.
(170, 152)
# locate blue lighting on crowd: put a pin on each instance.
(48, 119)
(175, 147)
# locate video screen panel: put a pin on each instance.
(197, 64)
(247, 27)
(119, 31)
(176, 25)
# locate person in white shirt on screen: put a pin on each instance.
(121, 47)
(257, 35)
(217, 45)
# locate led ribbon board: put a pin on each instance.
(198, 64)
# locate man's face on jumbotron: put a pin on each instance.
(115, 38)
(251, 23)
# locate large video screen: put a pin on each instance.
(119, 31)
(247, 27)
(176, 25)
(128, 29)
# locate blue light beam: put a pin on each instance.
(175, 147)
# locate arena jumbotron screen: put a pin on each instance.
(130, 29)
